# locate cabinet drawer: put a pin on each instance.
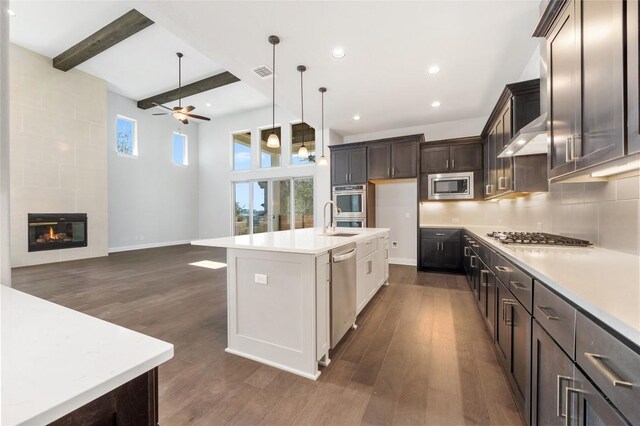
(486, 255)
(518, 281)
(556, 316)
(613, 366)
(443, 233)
(366, 247)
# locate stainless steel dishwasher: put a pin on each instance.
(343, 291)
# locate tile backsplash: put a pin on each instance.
(605, 213)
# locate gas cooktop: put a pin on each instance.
(537, 238)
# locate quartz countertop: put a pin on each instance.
(604, 283)
(55, 360)
(305, 241)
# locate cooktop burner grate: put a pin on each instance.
(537, 238)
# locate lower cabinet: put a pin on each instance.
(440, 249)
(372, 268)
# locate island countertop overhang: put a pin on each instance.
(303, 241)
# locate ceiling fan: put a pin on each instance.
(179, 113)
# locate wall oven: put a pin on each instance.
(451, 186)
(351, 200)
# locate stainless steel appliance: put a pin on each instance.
(350, 200)
(343, 291)
(351, 223)
(537, 238)
(450, 186)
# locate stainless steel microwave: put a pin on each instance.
(450, 186)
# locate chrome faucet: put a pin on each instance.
(331, 225)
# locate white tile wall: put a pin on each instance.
(58, 156)
(606, 213)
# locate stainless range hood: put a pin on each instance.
(530, 140)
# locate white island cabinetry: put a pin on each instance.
(279, 293)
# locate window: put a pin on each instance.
(298, 132)
(270, 205)
(180, 149)
(242, 151)
(126, 136)
(269, 157)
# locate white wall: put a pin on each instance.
(5, 213)
(216, 175)
(58, 152)
(396, 209)
(152, 201)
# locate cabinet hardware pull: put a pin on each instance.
(484, 273)
(466, 252)
(505, 317)
(502, 268)
(596, 360)
(346, 177)
(473, 265)
(393, 171)
(548, 313)
(446, 166)
(519, 286)
(567, 395)
(453, 163)
(369, 267)
(440, 234)
(388, 171)
(486, 190)
(559, 411)
(500, 184)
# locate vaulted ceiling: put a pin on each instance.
(479, 46)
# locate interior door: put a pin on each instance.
(404, 162)
(602, 82)
(552, 372)
(340, 167)
(379, 161)
(358, 165)
(434, 160)
(564, 90)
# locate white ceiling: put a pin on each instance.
(479, 45)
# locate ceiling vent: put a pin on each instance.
(263, 71)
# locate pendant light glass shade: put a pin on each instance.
(303, 152)
(323, 160)
(273, 141)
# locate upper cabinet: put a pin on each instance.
(454, 156)
(349, 165)
(586, 84)
(518, 105)
(633, 78)
(394, 158)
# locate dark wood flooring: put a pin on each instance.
(419, 356)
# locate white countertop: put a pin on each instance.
(305, 241)
(55, 360)
(603, 282)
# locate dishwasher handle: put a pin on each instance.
(342, 257)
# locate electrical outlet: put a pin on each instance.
(261, 279)
(394, 244)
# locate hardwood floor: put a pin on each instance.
(419, 356)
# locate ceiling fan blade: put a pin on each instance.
(185, 121)
(188, 108)
(199, 117)
(161, 113)
(162, 106)
(176, 108)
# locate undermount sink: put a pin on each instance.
(338, 234)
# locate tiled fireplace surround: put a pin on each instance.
(606, 213)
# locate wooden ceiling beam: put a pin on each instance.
(191, 89)
(108, 36)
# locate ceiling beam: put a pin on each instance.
(109, 35)
(191, 89)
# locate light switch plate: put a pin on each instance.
(261, 279)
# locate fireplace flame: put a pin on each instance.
(51, 234)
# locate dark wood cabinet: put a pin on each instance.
(585, 51)
(455, 155)
(633, 77)
(487, 299)
(379, 161)
(434, 159)
(466, 157)
(394, 159)
(440, 249)
(490, 160)
(348, 165)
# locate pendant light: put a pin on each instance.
(303, 152)
(273, 141)
(323, 160)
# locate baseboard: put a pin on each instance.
(402, 261)
(147, 246)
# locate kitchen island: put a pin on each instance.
(279, 292)
(65, 367)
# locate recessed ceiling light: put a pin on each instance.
(433, 70)
(435, 104)
(11, 12)
(208, 104)
(356, 117)
(338, 52)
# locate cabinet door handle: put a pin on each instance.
(473, 265)
(570, 149)
(346, 177)
(502, 268)
(548, 313)
(388, 172)
(453, 163)
(466, 252)
(369, 267)
(440, 234)
(502, 185)
(519, 286)
(484, 273)
(505, 317)
(559, 411)
(487, 190)
(596, 360)
(567, 398)
(393, 171)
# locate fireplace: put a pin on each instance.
(57, 231)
